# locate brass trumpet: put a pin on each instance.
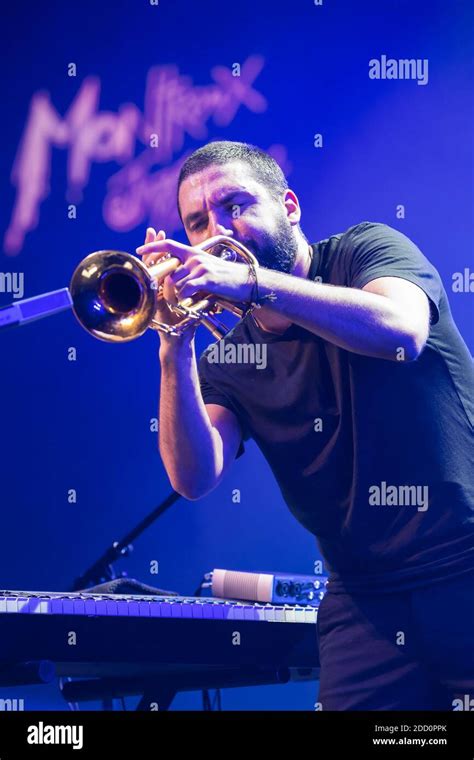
(115, 296)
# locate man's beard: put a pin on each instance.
(277, 250)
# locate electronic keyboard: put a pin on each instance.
(192, 642)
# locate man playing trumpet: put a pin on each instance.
(364, 413)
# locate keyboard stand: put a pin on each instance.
(158, 692)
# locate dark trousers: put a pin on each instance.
(411, 650)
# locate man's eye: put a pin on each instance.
(235, 209)
(197, 226)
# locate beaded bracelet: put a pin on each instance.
(257, 300)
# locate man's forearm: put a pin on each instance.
(185, 433)
(359, 321)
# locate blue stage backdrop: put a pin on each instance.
(101, 104)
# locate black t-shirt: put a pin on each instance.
(374, 457)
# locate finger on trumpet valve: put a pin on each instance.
(163, 267)
(195, 306)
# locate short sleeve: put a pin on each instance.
(211, 394)
(377, 250)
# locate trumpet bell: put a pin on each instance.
(114, 298)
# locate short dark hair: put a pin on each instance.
(264, 168)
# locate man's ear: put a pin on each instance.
(292, 205)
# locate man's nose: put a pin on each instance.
(218, 227)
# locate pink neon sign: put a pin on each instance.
(173, 108)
